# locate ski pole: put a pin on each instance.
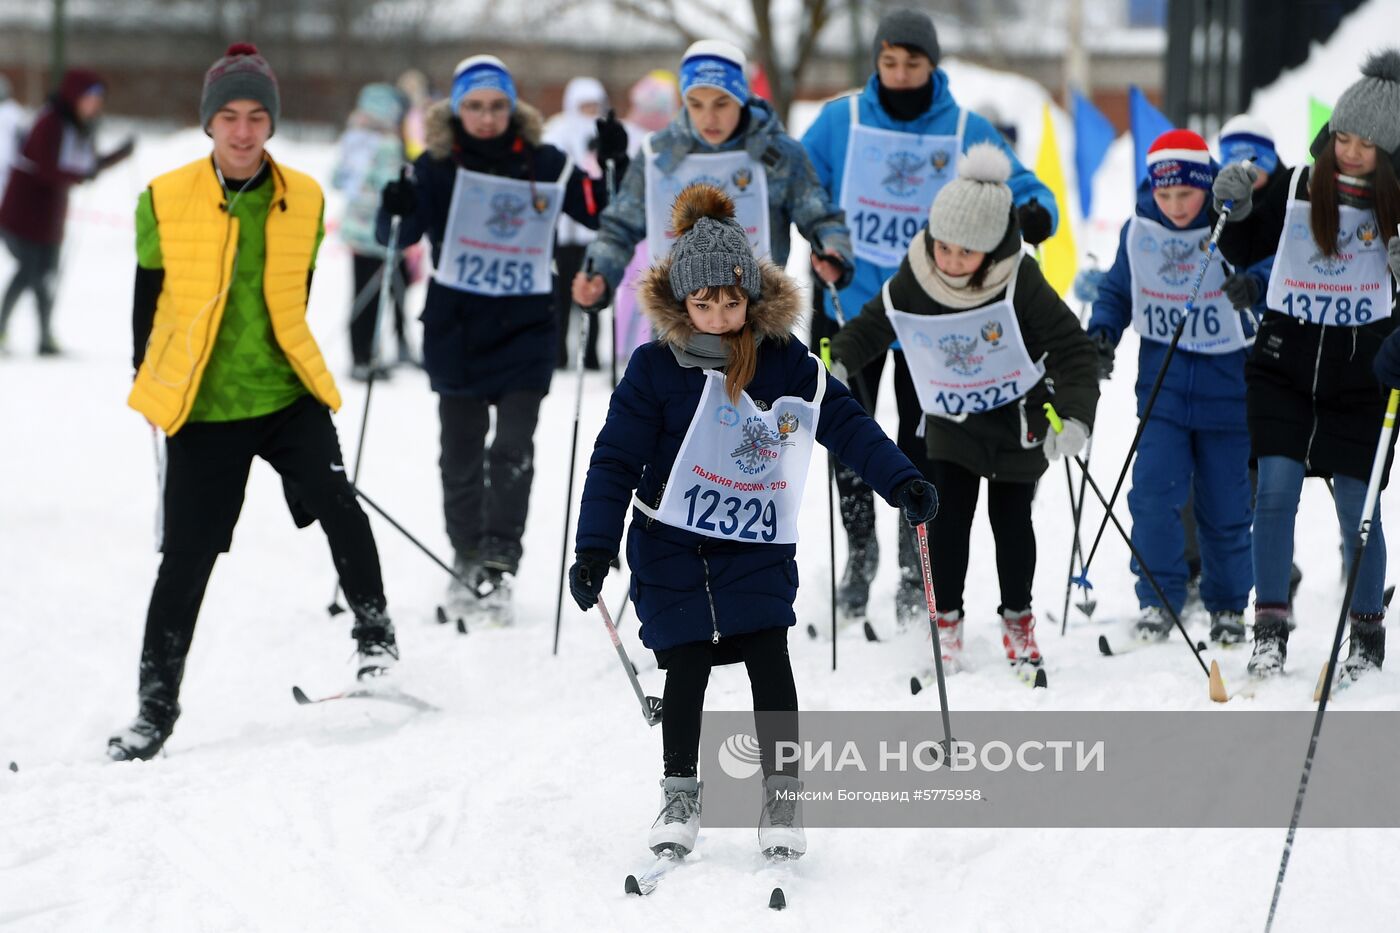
(1211, 672)
(927, 568)
(1076, 506)
(830, 512)
(867, 401)
(407, 534)
(1189, 310)
(651, 706)
(610, 174)
(573, 459)
(1363, 535)
(385, 279)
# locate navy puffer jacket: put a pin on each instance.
(689, 587)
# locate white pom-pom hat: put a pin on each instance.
(973, 210)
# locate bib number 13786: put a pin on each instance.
(709, 511)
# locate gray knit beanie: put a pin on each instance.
(1370, 108)
(912, 28)
(711, 247)
(973, 210)
(242, 74)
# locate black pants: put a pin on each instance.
(364, 315)
(486, 490)
(765, 656)
(38, 263)
(1009, 508)
(857, 498)
(206, 473)
(568, 260)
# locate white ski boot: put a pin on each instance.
(678, 823)
(950, 640)
(780, 832)
(1154, 624)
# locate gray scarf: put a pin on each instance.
(704, 351)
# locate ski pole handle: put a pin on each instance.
(1055, 423)
(825, 352)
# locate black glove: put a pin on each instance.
(918, 500)
(1104, 348)
(1387, 363)
(847, 269)
(612, 139)
(1034, 221)
(586, 577)
(1242, 290)
(399, 198)
(122, 151)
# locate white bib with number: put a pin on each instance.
(741, 471)
(499, 238)
(1346, 290)
(889, 183)
(1164, 264)
(966, 362)
(734, 173)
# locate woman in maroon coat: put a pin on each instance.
(57, 154)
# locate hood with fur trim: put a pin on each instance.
(437, 129)
(772, 316)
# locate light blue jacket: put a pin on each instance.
(826, 142)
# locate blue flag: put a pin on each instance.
(1148, 124)
(1093, 134)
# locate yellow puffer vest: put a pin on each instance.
(198, 241)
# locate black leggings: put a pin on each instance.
(38, 262)
(1009, 508)
(765, 655)
(364, 314)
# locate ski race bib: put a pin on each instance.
(499, 239)
(741, 470)
(889, 182)
(1346, 290)
(967, 362)
(1164, 264)
(734, 173)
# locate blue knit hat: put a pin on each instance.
(716, 64)
(1244, 137)
(477, 72)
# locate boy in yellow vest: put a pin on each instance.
(228, 369)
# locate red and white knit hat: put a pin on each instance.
(1180, 157)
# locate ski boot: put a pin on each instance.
(678, 823)
(1018, 637)
(950, 640)
(1227, 627)
(147, 734)
(1367, 649)
(1153, 624)
(494, 605)
(780, 832)
(1270, 642)
(853, 593)
(377, 650)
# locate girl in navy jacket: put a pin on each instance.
(707, 441)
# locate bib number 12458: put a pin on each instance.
(507, 275)
(709, 511)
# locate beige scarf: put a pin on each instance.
(952, 291)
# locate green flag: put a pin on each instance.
(1318, 115)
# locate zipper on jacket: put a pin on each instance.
(1317, 368)
(709, 594)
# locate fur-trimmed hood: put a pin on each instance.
(772, 316)
(437, 127)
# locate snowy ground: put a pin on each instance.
(523, 803)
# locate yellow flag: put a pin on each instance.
(1058, 257)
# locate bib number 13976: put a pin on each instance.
(709, 511)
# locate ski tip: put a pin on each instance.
(1104, 649)
(1040, 679)
(915, 685)
(1217, 684)
(300, 696)
(777, 900)
(461, 626)
(1200, 646)
(441, 615)
(630, 886)
(870, 632)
